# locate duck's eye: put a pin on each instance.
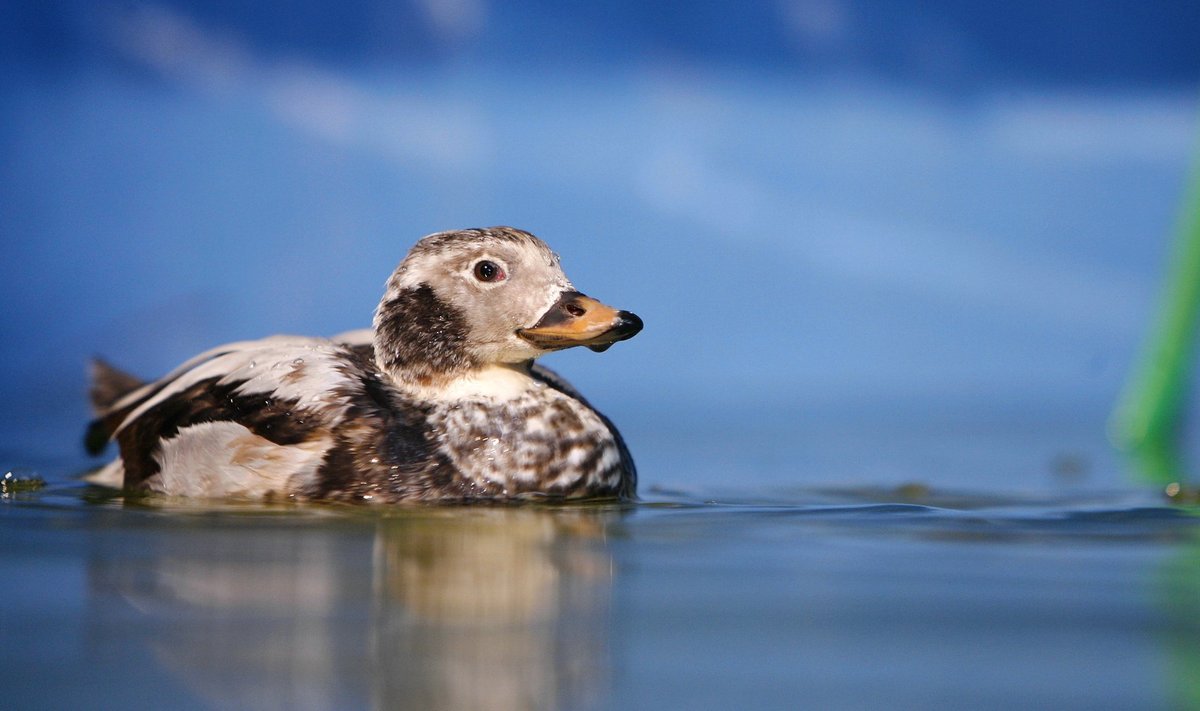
(488, 271)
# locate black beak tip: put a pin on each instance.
(628, 324)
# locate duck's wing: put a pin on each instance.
(244, 418)
(357, 338)
(556, 381)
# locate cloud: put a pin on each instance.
(887, 249)
(1094, 128)
(386, 120)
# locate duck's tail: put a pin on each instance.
(109, 384)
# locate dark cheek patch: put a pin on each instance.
(422, 337)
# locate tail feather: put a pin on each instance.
(109, 385)
(96, 437)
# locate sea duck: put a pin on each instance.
(440, 401)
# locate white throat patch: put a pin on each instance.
(495, 383)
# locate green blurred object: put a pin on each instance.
(1146, 421)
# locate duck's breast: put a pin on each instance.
(543, 442)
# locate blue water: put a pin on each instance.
(895, 263)
(834, 599)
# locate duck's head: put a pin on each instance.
(470, 298)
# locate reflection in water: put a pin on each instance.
(1180, 595)
(497, 608)
(502, 609)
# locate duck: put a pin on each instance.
(441, 400)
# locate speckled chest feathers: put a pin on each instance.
(523, 434)
(542, 441)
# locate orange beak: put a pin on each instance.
(578, 320)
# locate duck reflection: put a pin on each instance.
(496, 608)
(499, 609)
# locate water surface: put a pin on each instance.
(849, 598)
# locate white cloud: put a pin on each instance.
(386, 120)
(888, 250)
(1094, 128)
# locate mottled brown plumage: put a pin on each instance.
(441, 402)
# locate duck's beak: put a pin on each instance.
(578, 320)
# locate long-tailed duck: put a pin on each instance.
(439, 401)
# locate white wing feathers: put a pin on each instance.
(304, 370)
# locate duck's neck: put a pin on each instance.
(493, 382)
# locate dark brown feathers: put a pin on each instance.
(422, 336)
(109, 384)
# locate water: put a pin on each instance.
(910, 598)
